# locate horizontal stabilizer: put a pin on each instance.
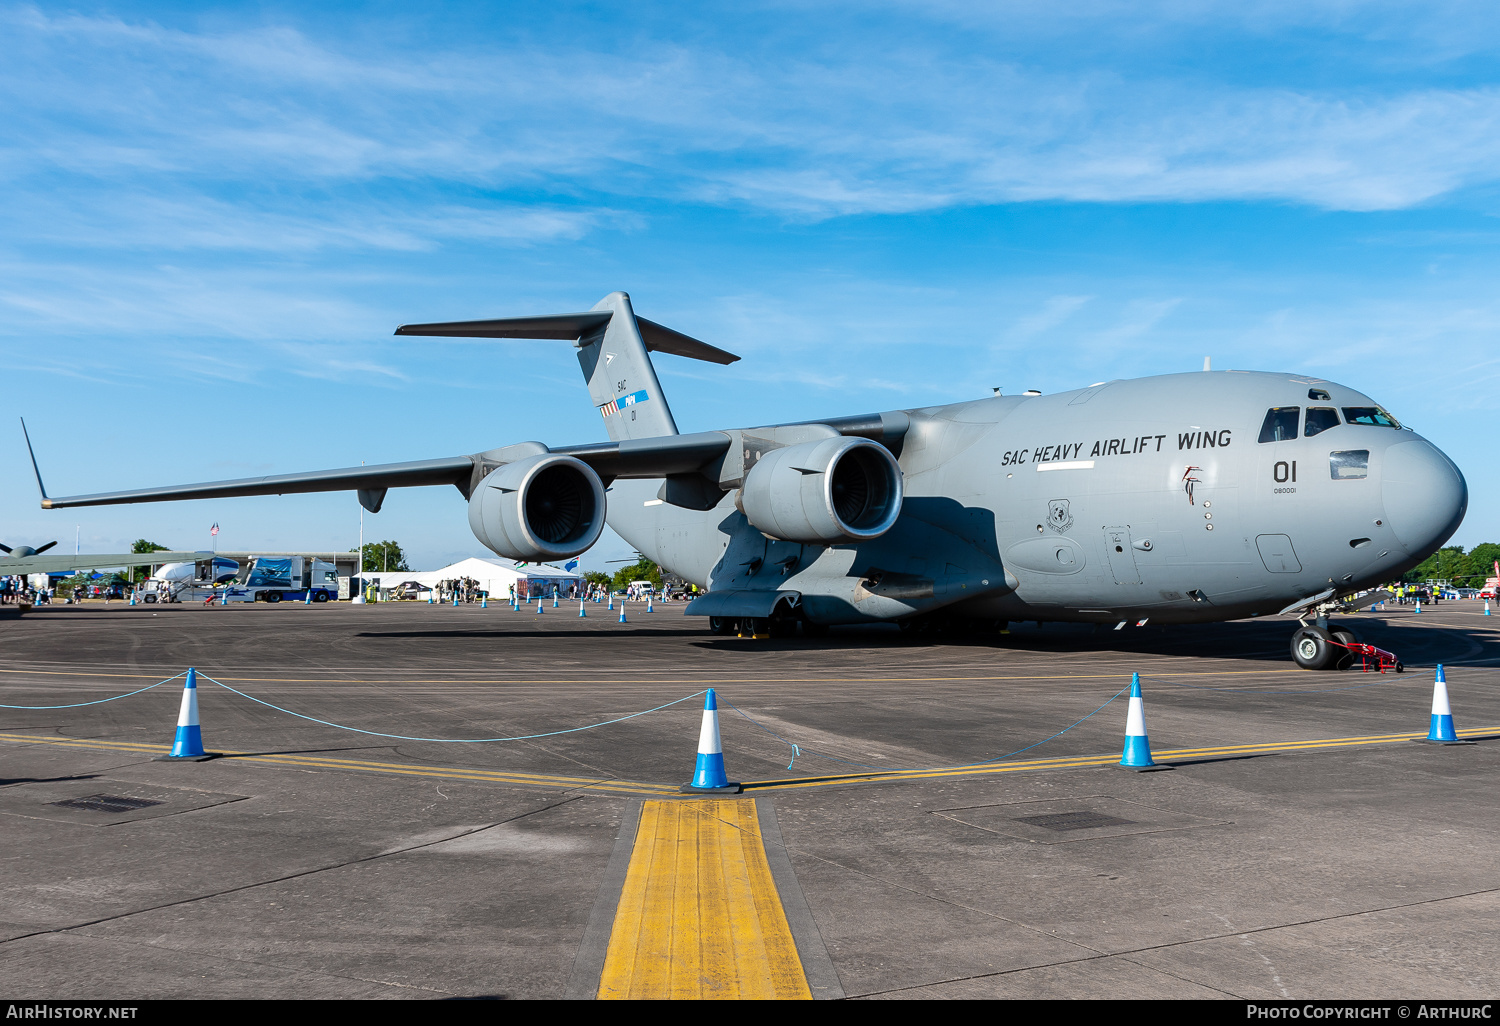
(658, 337)
(559, 326)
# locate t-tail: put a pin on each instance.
(614, 348)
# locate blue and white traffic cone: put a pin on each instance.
(709, 777)
(188, 744)
(539, 606)
(1137, 754)
(1487, 608)
(648, 603)
(1441, 731)
(429, 598)
(484, 601)
(554, 600)
(622, 612)
(1419, 605)
(581, 613)
(611, 605)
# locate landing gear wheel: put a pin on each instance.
(722, 625)
(1312, 650)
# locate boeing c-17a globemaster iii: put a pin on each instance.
(1184, 498)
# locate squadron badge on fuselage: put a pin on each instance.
(1059, 517)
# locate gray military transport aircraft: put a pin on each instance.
(1183, 498)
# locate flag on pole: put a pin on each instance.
(571, 565)
(213, 531)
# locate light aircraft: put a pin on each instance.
(1183, 498)
(23, 559)
(22, 551)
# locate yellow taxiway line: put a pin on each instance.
(699, 915)
(649, 789)
(400, 769)
(1086, 761)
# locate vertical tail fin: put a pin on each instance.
(622, 380)
(613, 349)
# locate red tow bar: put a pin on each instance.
(1371, 657)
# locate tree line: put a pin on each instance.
(1452, 563)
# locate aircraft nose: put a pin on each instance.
(1425, 495)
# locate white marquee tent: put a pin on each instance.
(494, 576)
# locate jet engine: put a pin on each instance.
(824, 492)
(546, 506)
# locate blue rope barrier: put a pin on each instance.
(453, 740)
(798, 749)
(80, 705)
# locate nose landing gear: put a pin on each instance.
(1332, 648)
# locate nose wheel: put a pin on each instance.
(1313, 649)
(1333, 648)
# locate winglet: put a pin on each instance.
(46, 502)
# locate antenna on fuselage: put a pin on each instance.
(1206, 367)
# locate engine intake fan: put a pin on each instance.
(828, 491)
(542, 507)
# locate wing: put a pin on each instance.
(639, 457)
(93, 561)
(362, 479)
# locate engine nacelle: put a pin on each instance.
(542, 507)
(828, 491)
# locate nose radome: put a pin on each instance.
(1425, 496)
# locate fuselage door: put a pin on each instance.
(1277, 553)
(1121, 555)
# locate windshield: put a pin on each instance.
(1369, 415)
(1280, 424)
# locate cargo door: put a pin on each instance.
(1121, 555)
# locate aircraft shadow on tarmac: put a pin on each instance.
(501, 634)
(1261, 642)
(1264, 641)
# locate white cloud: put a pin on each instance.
(811, 133)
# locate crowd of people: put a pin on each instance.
(464, 589)
(16, 590)
(1407, 594)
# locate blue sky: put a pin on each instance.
(214, 216)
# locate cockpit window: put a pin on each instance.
(1280, 424)
(1349, 466)
(1317, 394)
(1369, 415)
(1319, 419)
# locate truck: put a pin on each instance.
(272, 579)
